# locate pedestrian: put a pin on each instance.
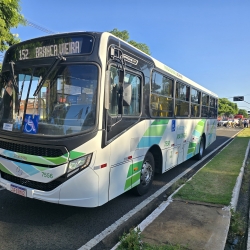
(240, 123)
(7, 101)
(245, 123)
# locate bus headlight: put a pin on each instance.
(79, 163)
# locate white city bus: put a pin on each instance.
(85, 116)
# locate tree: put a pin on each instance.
(10, 17)
(243, 112)
(226, 107)
(124, 35)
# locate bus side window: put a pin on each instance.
(114, 84)
(134, 82)
(182, 100)
(161, 95)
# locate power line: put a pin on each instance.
(36, 26)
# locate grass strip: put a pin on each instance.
(214, 183)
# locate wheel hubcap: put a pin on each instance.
(146, 173)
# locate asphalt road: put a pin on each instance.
(31, 224)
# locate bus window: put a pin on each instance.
(161, 96)
(205, 105)
(195, 103)
(133, 108)
(114, 87)
(135, 82)
(182, 94)
(213, 110)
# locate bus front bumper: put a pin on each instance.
(81, 190)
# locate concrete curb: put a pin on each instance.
(237, 186)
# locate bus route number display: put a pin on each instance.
(51, 50)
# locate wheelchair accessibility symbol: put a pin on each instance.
(31, 124)
(173, 126)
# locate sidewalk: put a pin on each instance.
(193, 225)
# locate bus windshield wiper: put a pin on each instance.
(59, 58)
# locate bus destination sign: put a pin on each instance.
(51, 50)
(66, 45)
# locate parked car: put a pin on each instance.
(222, 122)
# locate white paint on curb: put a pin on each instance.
(248, 239)
(98, 238)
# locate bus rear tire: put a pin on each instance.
(201, 149)
(147, 175)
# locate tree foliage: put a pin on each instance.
(10, 17)
(226, 107)
(124, 35)
(243, 112)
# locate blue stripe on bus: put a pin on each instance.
(148, 141)
(29, 169)
(196, 133)
(190, 155)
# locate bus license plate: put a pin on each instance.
(18, 190)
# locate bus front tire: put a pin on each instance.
(147, 175)
(201, 149)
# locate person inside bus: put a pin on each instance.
(7, 101)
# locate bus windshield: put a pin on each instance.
(65, 103)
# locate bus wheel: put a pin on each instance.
(147, 175)
(201, 149)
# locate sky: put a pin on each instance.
(207, 41)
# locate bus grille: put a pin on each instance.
(31, 184)
(32, 150)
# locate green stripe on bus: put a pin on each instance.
(73, 155)
(5, 170)
(132, 168)
(199, 128)
(192, 144)
(128, 184)
(136, 178)
(130, 171)
(158, 122)
(134, 173)
(155, 131)
(138, 165)
(57, 160)
(191, 150)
